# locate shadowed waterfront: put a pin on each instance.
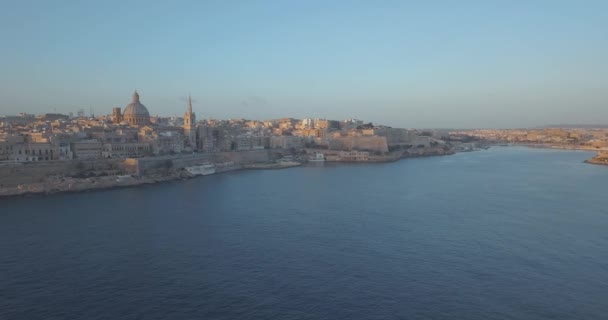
(508, 233)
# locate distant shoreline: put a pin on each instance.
(559, 147)
(599, 159)
(77, 185)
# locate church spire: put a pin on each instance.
(189, 103)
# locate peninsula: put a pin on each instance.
(49, 153)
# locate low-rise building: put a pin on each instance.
(287, 142)
(126, 150)
(87, 149)
(24, 152)
(354, 156)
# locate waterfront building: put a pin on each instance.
(248, 142)
(354, 156)
(65, 151)
(87, 149)
(126, 150)
(20, 148)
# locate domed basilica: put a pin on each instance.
(135, 113)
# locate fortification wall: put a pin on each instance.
(12, 174)
(368, 143)
(396, 135)
(15, 174)
(141, 166)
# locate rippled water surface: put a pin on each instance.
(507, 233)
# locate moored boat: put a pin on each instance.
(202, 170)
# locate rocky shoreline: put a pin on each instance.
(600, 158)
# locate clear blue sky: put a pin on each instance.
(401, 63)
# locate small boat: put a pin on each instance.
(203, 170)
(318, 157)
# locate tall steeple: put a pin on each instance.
(190, 125)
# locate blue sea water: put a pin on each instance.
(507, 233)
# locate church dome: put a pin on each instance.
(135, 112)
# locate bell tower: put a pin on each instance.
(190, 125)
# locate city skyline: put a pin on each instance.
(470, 65)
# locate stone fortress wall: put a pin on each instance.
(369, 143)
(15, 174)
(78, 175)
(142, 166)
(12, 174)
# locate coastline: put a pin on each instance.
(600, 159)
(54, 185)
(76, 185)
(561, 147)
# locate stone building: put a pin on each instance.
(126, 150)
(33, 152)
(287, 142)
(207, 140)
(116, 116)
(353, 156)
(136, 114)
(86, 149)
(5, 150)
(369, 143)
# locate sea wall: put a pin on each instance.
(77, 175)
(13, 174)
(156, 165)
(369, 143)
(334, 155)
(71, 176)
